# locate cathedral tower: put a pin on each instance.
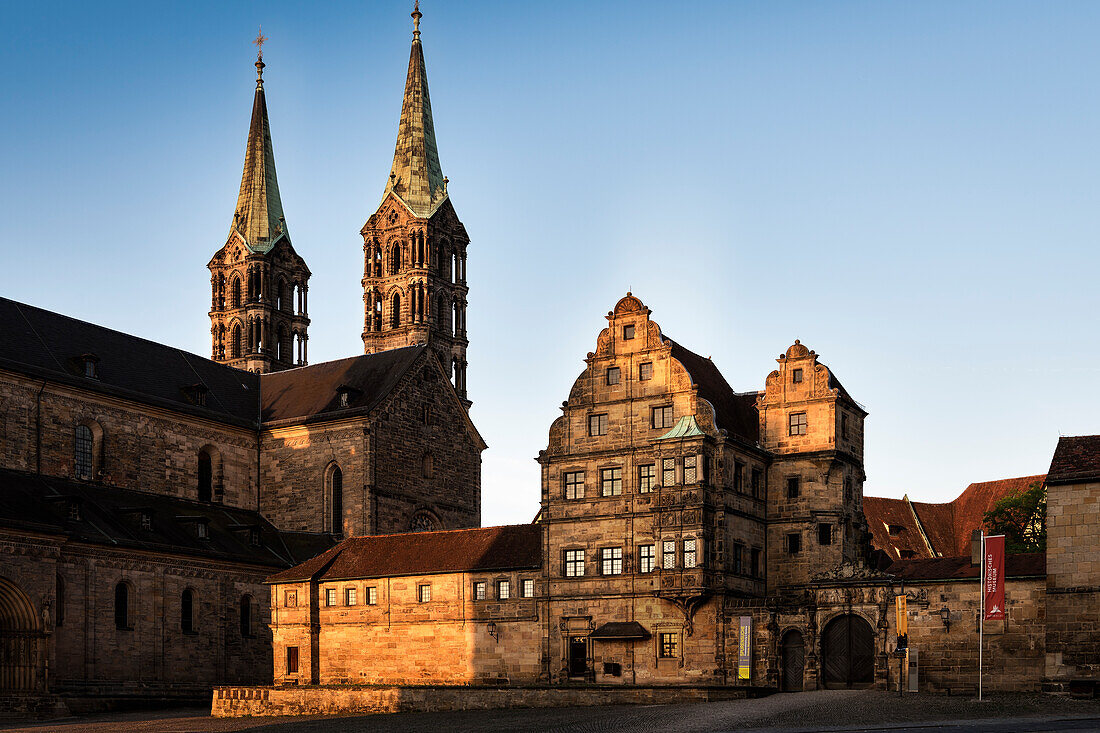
(414, 246)
(258, 282)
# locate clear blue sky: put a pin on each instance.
(908, 188)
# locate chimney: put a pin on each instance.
(976, 547)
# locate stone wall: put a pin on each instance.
(135, 446)
(73, 586)
(1073, 583)
(401, 640)
(237, 702)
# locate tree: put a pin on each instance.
(1022, 518)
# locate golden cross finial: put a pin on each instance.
(259, 43)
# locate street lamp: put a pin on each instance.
(945, 616)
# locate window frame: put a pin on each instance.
(504, 589)
(424, 593)
(797, 424)
(647, 483)
(667, 417)
(611, 481)
(571, 480)
(613, 376)
(600, 426)
(572, 561)
(793, 544)
(668, 469)
(290, 599)
(794, 487)
(796, 376)
(351, 596)
(668, 554)
(527, 588)
(690, 551)
(629, 332)
(292, 659)
(372, 595)
(647, 561)
(330, 597)
(611, 561)
(645, 371)
(668, 645)
(481, 590)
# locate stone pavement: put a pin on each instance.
(819, 710)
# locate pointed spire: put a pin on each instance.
(416, 176)
(258, 218)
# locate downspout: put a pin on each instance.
(38, 429)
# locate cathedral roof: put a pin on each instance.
(510, 547)
(416, 176)
(52, 346)
(258, 218)
(313, 390)
(107, 515)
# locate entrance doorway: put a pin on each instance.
(578, 656)
(848, 652)
(19, 640)
(794, 657)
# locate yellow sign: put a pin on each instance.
(902, 616)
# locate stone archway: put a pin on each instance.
(20, 640)
(848, 653)
(794, 659)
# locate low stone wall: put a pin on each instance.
(238, 702)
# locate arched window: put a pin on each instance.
(426, 466)
(206, 476)
(395, 258)
(422, 522)
(83, 452)
(441, 315)
(122, 606)
(235, 342)
(395, 311)
(336, 491)
(235, 292)
(377, 261)
(187, 612)
(246, 616)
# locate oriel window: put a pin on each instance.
(668, 472)
(691, 555)
(690, 473)
(668, 554)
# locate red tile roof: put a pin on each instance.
(510, 547)
(947, 527)
(951, 568)
(1076, 460)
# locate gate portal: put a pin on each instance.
(794, 657)
(848, 653)
(20, 637)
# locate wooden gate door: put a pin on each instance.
(794, 656)
(848, 648)
(578, 656)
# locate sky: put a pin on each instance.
(908, 188)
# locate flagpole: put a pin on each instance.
(981, 614)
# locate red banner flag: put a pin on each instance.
(993, 577)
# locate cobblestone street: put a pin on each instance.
(836, 710)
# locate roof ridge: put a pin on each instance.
(440, 531)
(300, 367)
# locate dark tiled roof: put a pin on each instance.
(621, 630)
(734, 412)
(421, 553)
(947, 526)
(1076, 460)
(49, 345)
(306, 392)
(111, 516)
(951, 568)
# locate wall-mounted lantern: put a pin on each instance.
(492, 629)
(945, 616)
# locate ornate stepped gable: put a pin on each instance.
(258, 282)
(414, 246)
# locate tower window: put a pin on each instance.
(794, 544)
(336, 488)
(797, 423)
(796, 376)
(824, 534)
(628, 332)
(793, 487)
(613, 375)
(597, 424)
(83, 452)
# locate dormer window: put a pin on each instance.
(203, 530)
(254, 537)
(74, 511)
(147, 521)
(196, 394)
(896, 529)
(90, 366)
(345, 398)
(345, 395)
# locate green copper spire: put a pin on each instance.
(416, 176)
(258, 218)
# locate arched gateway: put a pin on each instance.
(848, 653)
(20, 640)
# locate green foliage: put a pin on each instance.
(1022, 518)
